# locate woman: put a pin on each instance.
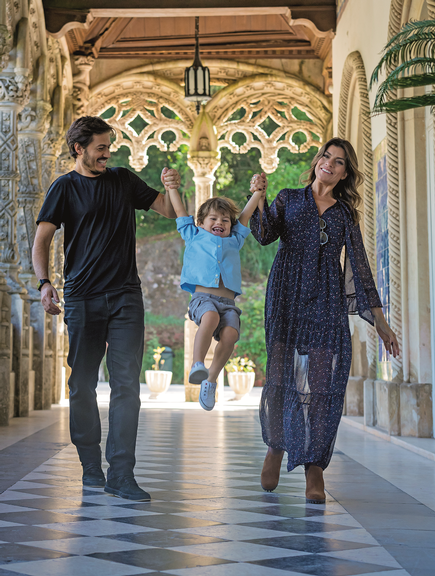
(308, 299)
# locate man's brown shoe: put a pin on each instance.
(315, 488)
(271, 469)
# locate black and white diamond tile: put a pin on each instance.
(208, 517)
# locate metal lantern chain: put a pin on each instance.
(197, 77)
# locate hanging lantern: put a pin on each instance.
(197, 77)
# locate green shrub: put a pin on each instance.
(252, 340)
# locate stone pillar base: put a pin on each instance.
(387, 406)
(354, 400)
(416, 410)
(369, 402)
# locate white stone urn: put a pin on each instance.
(241, 383)
(158, 381)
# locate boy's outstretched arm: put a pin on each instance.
(177, 204)
(171, 182)
(258, 189)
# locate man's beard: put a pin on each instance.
(88, 164)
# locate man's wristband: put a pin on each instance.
(42, 282)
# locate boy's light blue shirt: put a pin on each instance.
(208, 257)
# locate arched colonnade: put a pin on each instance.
(42, 90)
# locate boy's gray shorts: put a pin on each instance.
(229, 314)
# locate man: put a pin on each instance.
(103, 299)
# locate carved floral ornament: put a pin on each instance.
(262, 108)
(269, 113)
(142, 112)
(15, 90)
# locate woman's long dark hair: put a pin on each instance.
(346, 190)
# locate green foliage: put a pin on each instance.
(252, 340)
(164, 331)
(233, 180)
(289, 171)
(409, 60)
(150, 223)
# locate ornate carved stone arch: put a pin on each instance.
(260, 97)
(146, 98)
(354, 67)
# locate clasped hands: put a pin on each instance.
(258, 184)
(170, 178)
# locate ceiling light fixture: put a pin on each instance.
(197, 77)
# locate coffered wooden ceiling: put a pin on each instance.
(165, 29)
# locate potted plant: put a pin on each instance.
(158, 381)
(241, 375)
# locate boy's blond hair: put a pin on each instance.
(218, 204)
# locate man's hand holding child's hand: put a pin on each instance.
(170, 178)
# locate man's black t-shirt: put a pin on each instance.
(100, 229)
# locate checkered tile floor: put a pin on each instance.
(208, 517)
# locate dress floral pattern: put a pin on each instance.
(308, 341)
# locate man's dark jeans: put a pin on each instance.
(117, 319)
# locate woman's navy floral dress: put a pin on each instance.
(308, 339)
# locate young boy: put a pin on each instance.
(211, 273)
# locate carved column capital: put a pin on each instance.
(35, 118)
(204, 165)
(14, 89)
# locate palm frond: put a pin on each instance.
(419, 65)
(409, 49)
(402, 104)
(411, 29)
(416, 72)
(387, 90)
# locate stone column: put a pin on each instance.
(6, 374)
(204, 165)
(64, 164)
(54, 334)
(14, 94)
(81, 81)
(33, 123)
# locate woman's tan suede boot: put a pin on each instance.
(315, 487)
(271, 469)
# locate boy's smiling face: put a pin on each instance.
(217, 223)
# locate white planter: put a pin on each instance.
(158, 381)
(241, 383)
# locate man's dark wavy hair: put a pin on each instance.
(82, 131)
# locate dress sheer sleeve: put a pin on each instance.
(271, 225)
(361, 291)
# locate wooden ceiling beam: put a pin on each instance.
(256, 38)
(109, 53)
(62, 15)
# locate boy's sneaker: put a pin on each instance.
(207, 395)
(198, 373)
